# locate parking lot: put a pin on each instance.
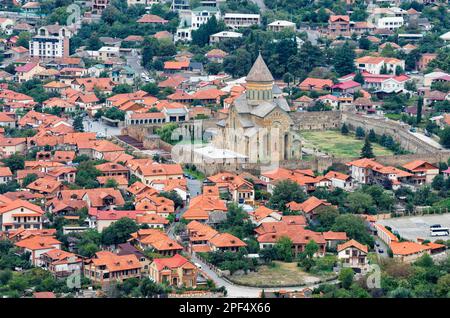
(412, 227)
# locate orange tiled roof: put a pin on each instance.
(172, 263)
(226, 240)
(352, 243)
(115, 262)
(38, 243)
(408, 248)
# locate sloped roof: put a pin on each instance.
(259, 71)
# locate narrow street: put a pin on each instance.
(237, 291)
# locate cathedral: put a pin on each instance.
(259, 125)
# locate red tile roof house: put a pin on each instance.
(225, 242)
(354, 255)
(110, 169)
(175, 271)
(346, 87)
(61, 263)
(339, 25)
(106, 267)
(5, 175)
(269, 233)
(101, 219)
(44, 295)
(36, 246)
(7, 120)
(49, 187)
(309, 207)
(19, 213)
(152, 19)
(316, 84)
(334, 238)
(155, 240)
(9, 146)
(409, 251)
(423, 172)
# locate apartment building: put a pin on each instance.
(339, 25)
(241, 20)
(379, 65)
(51, 41)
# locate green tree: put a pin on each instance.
(285, 192)
(344, 59)
(355, 228)
(15, 162)
(122, 89)
(174, 196)
(344, 129)
(359, 202)
(283, 248)
(31, 177)
(165, 132)
(359, 132)
(115, 114)
(366, 151)
(359, 78)
(88, 249)
(86, 175)
(372, 136)
(119, 232)
(326, 216)
(445, 137)
(111, 183)
(151, 88)
(419, 110)
(311, 248)
(200, 36)
(78, 124)
(346, 276)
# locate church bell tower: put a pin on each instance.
(259, 82)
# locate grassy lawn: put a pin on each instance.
(195, 173)
(334, 143)
(393, 116)
(278, 275)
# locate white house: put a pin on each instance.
(376, 64)
(38, 245)
(6, 26)
(390, 23)
(241, 20)
(353, 255)
(224, 35)
(278, 25)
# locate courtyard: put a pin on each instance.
(334, 143)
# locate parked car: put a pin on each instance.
(198, 265)
(380, 250)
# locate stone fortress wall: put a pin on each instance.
(304, 121)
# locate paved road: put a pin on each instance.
(134, 61)
(428, 140)
(194, 187)
(237, 291)
(381, 245)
